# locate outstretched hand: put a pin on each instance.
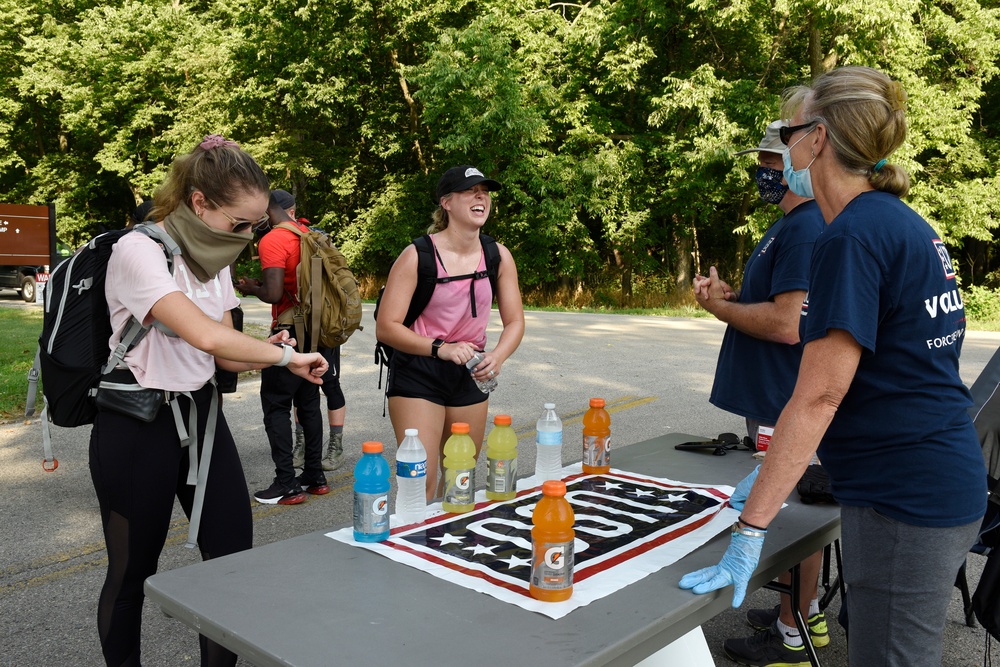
(736, 568)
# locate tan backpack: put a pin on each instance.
(328, 300)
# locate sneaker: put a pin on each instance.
(762, 619)
(299, 450)
(766, 649)
(320, 488)
(276, 494)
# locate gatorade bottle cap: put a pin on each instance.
(371, 447)
(502, 420)
(554, 487)
(410, 431)
(459, 427)
(597, 402)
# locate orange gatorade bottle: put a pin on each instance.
(596, 439)
(552, 545)
(459, 470)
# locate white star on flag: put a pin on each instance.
(480, 549)
(642, 493)
(447, 538)
(676, 498)
(514, 561)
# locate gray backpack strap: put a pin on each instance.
(33, 374)
(197, 465)
(155, 232)
(49, 463)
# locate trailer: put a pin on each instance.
(28, 247)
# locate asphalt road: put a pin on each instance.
(655, 373)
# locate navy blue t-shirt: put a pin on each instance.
(901, 441)
(754, 378)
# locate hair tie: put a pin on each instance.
(879, 165)
(214, 141)
(897, 96)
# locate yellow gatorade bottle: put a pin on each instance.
(501, 455)
(459, 470)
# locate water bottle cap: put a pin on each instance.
(597, 402)
(412, 432)
(502, 420)
(550, 406)
(371, 447)
(554, 487)
(459, 427)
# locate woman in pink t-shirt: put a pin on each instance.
(429, 387)
(209, 204)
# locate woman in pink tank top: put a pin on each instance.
(429, 387)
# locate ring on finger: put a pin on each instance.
(492, 373)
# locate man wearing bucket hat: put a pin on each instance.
(757, 367)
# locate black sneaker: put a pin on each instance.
(277, 494)
(762, 619)
(318, 488)
(766, 649)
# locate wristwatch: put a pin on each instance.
(286, 353)
(435, 346)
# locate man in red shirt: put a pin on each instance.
(279, 388)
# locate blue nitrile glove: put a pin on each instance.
(736, 566)
(739, 496)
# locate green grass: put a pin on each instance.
(20, 327)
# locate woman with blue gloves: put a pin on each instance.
(878, 387)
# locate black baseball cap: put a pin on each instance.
(283, 198)
(460, 178)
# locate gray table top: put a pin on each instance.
(311, 600)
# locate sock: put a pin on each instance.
(336, 428)
(790, 635)
(298, 427)
(813, 607)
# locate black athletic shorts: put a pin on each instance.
(435, 380)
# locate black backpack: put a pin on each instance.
(76, 325)
(427, 280)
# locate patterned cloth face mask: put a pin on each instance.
(769, 185)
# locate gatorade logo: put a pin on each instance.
(462, 480)
(555, 558)
(381, 505)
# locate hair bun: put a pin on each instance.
(214, 141)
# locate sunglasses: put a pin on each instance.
(785, 133)
(240, 226)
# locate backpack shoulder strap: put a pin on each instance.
(426, 279)
(290, 227)
(492, 253)
(170, 249)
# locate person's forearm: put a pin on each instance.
(767, 320)
(510, 339)
(796, 437)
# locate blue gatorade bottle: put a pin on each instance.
(371, 495)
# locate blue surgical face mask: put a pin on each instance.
(769, 185)
(799, 182)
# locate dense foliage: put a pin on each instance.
(611, 124)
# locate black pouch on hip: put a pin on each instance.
(119, 392)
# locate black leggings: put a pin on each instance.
(137, 469)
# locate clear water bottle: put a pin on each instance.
(411, 477)
(490, 384)
(548, 444)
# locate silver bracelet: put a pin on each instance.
(747, 532)
(286, 354)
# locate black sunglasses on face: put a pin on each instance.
(785, 133)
